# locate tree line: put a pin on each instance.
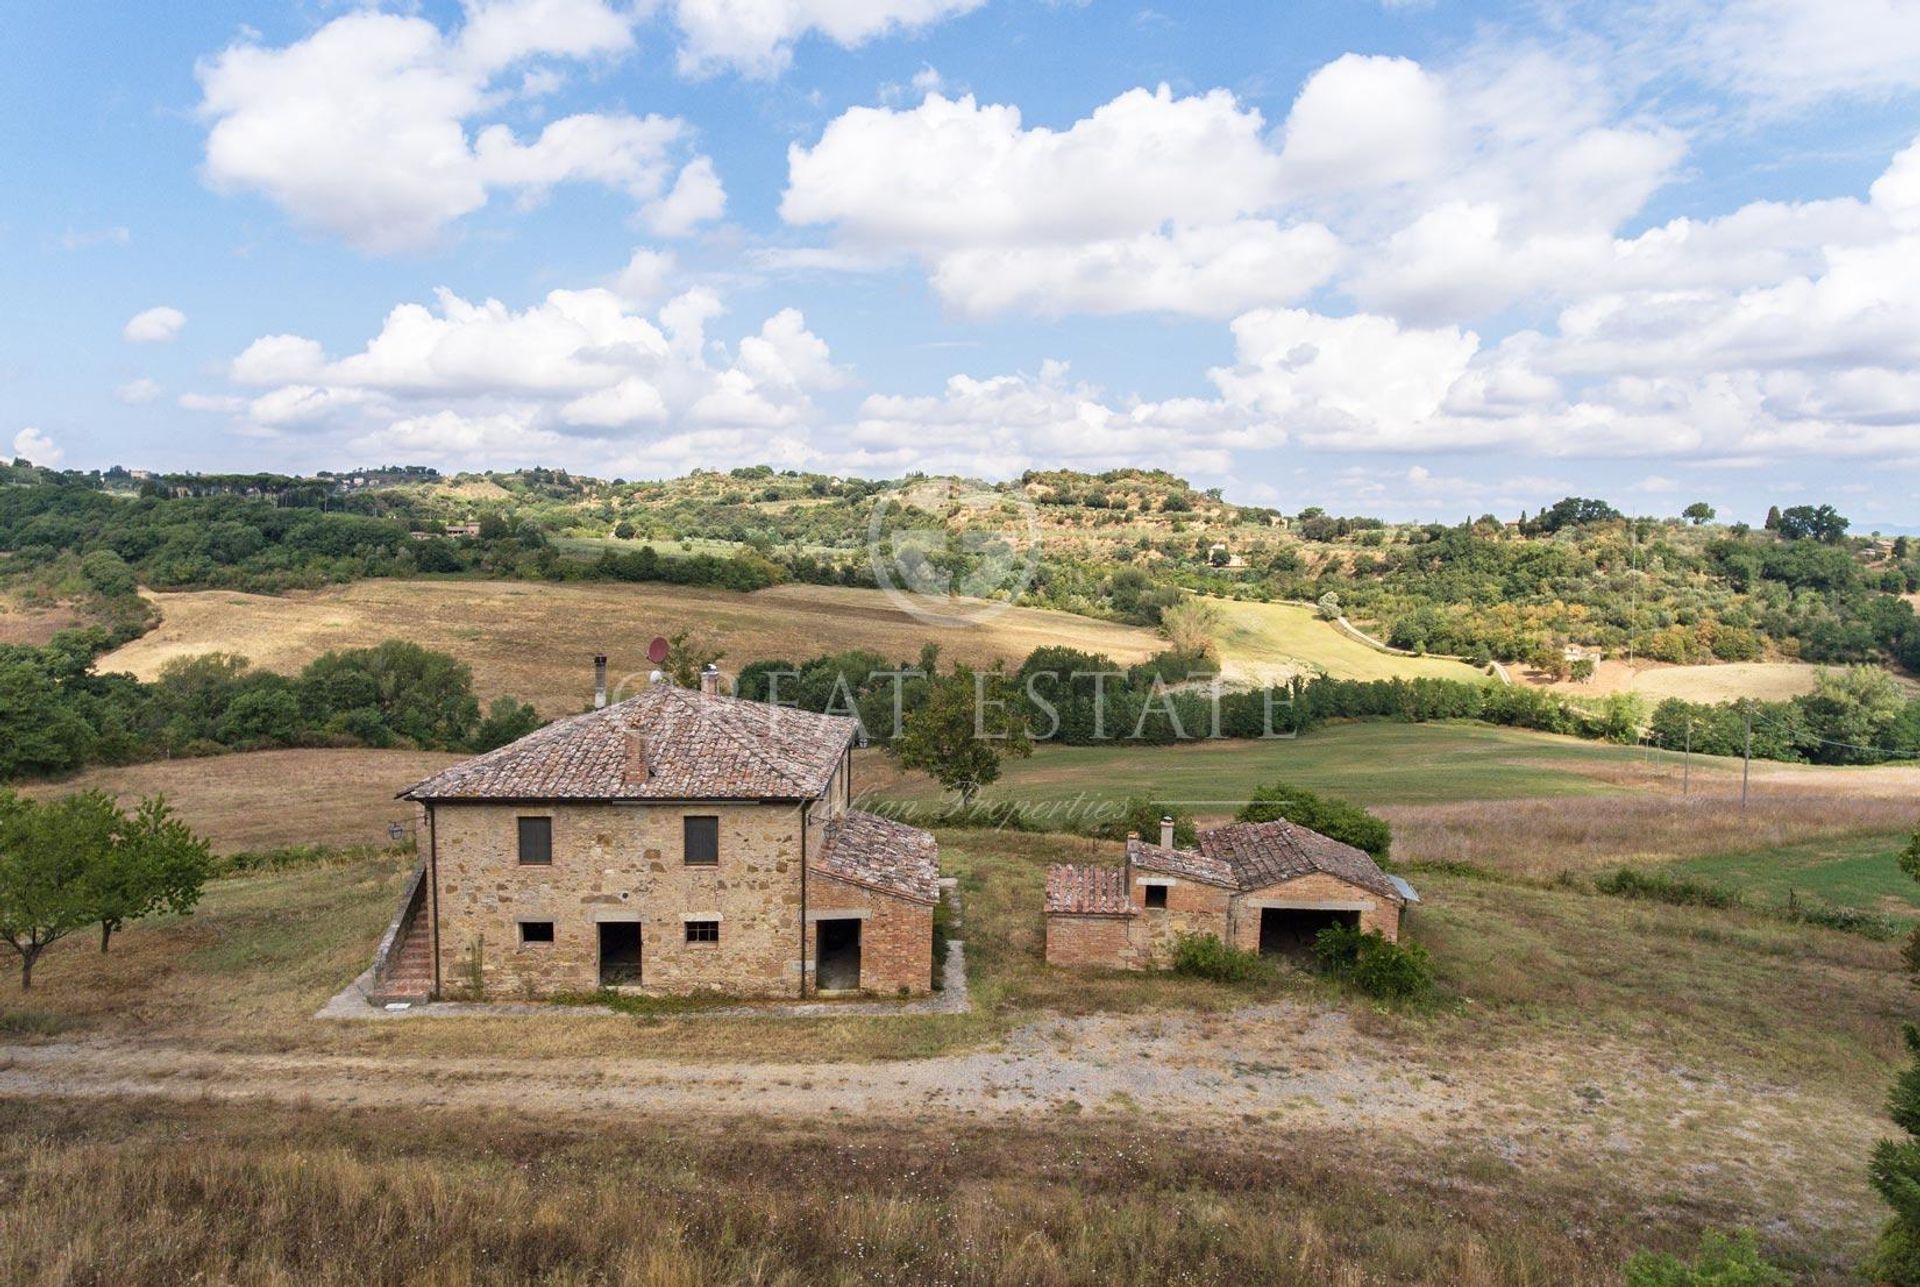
(58, 712)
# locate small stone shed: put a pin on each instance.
(1264, 887)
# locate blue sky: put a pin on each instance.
(1422, 260)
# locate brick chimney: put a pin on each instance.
(637, 770)
(710, 679)
(599, 680)
(1166, 832)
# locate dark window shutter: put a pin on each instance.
(702, 841)
(536, 841)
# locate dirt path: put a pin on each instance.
(1285, 1061)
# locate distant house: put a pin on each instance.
(675, 842)
(463, 529)
(1264, 887)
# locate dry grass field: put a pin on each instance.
(271, 799)
(1265, 643)
(537, 642)
(25, 623)
(1764, 681)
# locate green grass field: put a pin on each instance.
(1849, 871)
(1373, 763)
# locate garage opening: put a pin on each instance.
(1289, 931)
(619, 953)
(837, 956)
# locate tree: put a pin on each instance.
(1773, 518)
(153, 862)
(1697, 513)
(1582, 670)
(688, 654)
(623, 530)
(507, 721)
(1895, 1172)
(967, 725)
(1191, 626)
(46, 851)
(1328, 606)
(1333, 818)
(1820, 523)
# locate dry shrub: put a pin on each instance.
(137, 1193)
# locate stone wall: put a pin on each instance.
(1192, 908)
(618, 862)
(896, 934)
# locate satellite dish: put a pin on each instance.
(657, 650)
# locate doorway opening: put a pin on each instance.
(1289, 931)
(837, 956)
(619, 953)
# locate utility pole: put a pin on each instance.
(1746, 764)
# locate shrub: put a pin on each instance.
(1658, 887)
(1384, 970)
(1334, 818)
(1848, 920)
(1724, 1260)
(1204, 956)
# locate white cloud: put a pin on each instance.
(154, 326)
(38, 448)
(1363, 122)
(1789, 54)
(581, 378)
(644, 280)
(136, 392)
(1148, 203)
(756, 37)
(361, 129)
(697, 198)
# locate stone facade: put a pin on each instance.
(1312, 891)
(624, 863)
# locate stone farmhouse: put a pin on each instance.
(1264, 887)
(675, 842)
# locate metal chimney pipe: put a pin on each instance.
(599, 680)
(1166, 832)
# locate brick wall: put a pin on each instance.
(1375, 911)
(896, 934)
(1106, 942)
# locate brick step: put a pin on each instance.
(409, 974)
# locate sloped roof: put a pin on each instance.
(1180, 862)
(881, 854)
(667, 743)
(1075, 890)
(1267, 853)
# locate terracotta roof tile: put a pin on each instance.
(1180, 862)
(1267, 853)
(1077, 890)
(882, 854)
(666, 743)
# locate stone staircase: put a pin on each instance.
(403, 966)
(409, 973)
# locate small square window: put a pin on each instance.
(703, 931)
(536, 931)
(536, 842)
(701, 841)
(1156, 895)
